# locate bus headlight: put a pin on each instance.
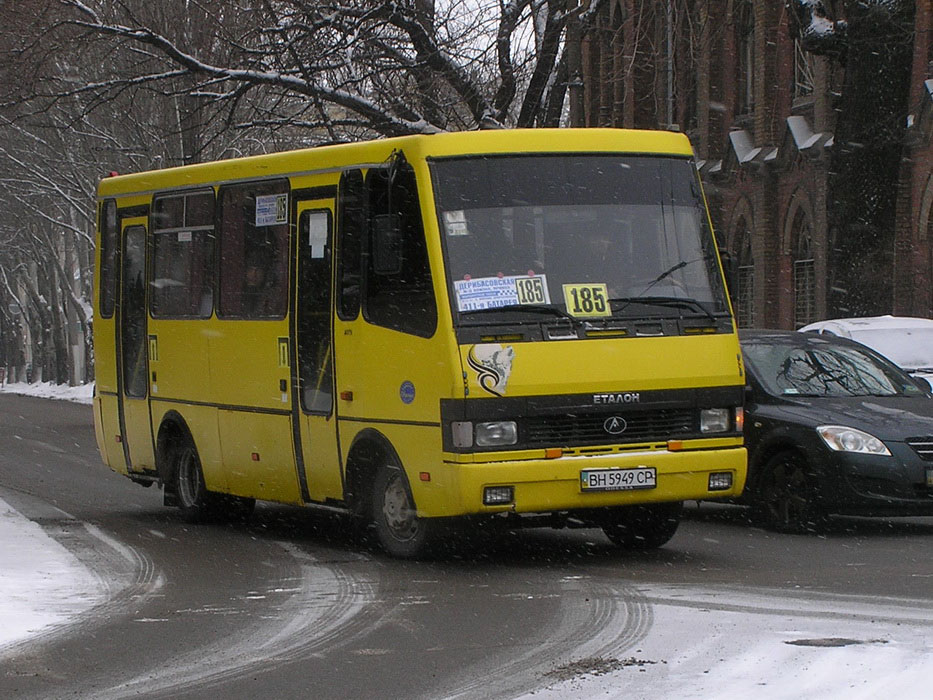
(714, 420)
(504, 432)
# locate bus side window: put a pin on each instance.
(182, 255)
(351, 218)
(398, 291)
(253, 250)
(108, 256)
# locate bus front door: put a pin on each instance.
(132, 350)
(313, 396)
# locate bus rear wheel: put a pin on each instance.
(196, 503)
(399, 529)
(189, 484)
(643, 527)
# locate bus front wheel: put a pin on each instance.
(399, 529)
(643, 527)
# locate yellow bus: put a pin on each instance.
(421, 330)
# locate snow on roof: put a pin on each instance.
(880, 322)
(905, 340)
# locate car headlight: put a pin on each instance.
(843, 439)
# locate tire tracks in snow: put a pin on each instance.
(124, 576)
(595, 619)
(326, 608)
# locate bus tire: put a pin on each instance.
(643, 527)
(193, 497)
(400, 531)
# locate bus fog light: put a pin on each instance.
(503, 432)
(714, 420)
(498, 495)
(720, 481)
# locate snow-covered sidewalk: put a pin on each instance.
(42, 584)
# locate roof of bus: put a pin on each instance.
(415, 147)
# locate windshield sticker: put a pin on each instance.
(493, 365)
(587, 300)
(493, 292)
(271, 209)
(455, 223)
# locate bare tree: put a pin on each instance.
(92, 86)
(339, 69)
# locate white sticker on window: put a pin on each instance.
(455, 223)
(271, 209)
(317, 234)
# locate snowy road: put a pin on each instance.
(106, 595)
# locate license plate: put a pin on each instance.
(618, 479)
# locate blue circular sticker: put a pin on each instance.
(407, 392)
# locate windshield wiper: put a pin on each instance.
(676, 302)
(533, 308)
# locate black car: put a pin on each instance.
(832, 427)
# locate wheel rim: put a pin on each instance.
(788, 496)
(397, 509)
(189, 479)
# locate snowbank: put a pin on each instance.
(47, 390)
(41, 583)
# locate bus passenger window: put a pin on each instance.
(182, 256)
(398, 296)
(254, 250)
(351, 219)
(108, 256)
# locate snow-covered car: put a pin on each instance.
(905, 340)
(832, 427)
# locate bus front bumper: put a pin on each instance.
(547, 485)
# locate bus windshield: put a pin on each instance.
(576, 235)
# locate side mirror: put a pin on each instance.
(923, 382)
(386, 244)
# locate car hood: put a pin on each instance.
(885, 417)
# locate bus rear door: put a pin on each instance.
(132, 351)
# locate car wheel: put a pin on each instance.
(399, 529)
(643, 527)
(786, 499)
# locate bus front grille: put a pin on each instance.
(574, 430)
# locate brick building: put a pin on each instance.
(760, 113)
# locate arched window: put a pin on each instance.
(745, 65)
(804, 271)
(744, 274)
(803, 71)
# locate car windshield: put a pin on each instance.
(823, 369)
(910, 348)
(584, 235)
